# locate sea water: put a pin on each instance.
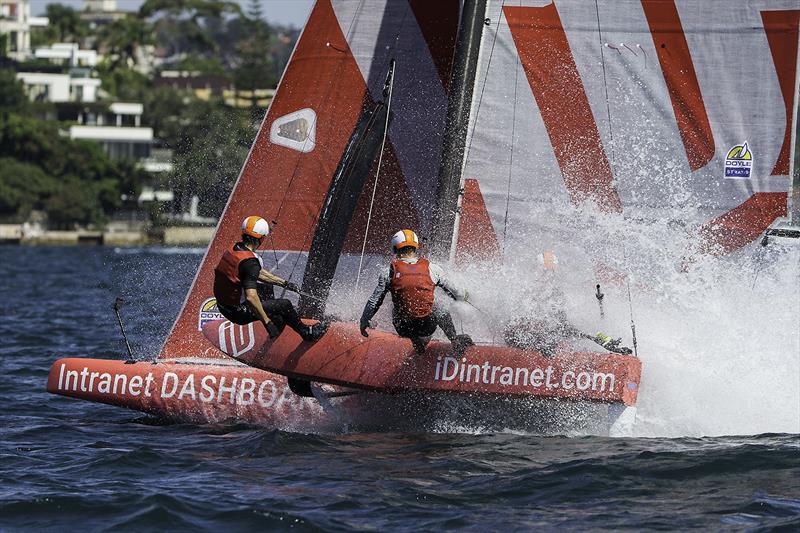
(715, 445)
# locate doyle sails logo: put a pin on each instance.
(208, 313)
(739, 162)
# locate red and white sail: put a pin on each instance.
(633, 105)
(339, 63)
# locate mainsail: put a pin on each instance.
(655, 110)
(337, 70)
(636, 107)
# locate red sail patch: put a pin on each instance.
(557, 86)
(681, 79)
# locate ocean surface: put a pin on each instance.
(67, 464)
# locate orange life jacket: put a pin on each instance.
(412, 288)
(227, 285)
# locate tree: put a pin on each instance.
(23, 187)
(255, 69)
(122, 82)
(123, 39)
(195, 9)
(182, 24)
(73, 203)
(75, 181)
(209, 155)
(12, 94)
(65, 24)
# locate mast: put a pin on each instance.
(794, 161)
(341, 201)
(790, 226)
(462, 81)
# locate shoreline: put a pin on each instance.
(14, 234)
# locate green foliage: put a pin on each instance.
(12, 94)
(73, 180)
(23, 186)
(205, 65)
(123, 38)
(192, 8)
(209, 154)
(65, 25)
(122, 82)
(73, 204)
(182, 24)
(255, 69)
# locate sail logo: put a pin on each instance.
(297, 130)
(236, 340)
(208, 313)
(739, 162)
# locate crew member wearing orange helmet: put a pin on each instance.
(411, 280)
(240, 297)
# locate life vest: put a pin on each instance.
(227, 285)
(412, 288)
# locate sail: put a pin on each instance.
(337, 70)
(671, 110)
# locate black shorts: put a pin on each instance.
(243, 314)
(415, 327)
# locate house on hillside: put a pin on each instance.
(15, 28)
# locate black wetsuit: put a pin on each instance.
(280, 311)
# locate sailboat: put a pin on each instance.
(472, 122)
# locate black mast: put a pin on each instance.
(342, 199)
(462, 81)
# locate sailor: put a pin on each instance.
(545, 326)
(411, 280)
(243, 288)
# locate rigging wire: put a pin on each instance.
(613, 167)
(511, 159)
(327, 96)
(377, 176)
(485, 79)
(392, 66)
(605, 86)
(630, 303)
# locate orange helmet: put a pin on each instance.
(403, 238)
(255, 227)
(548, 260)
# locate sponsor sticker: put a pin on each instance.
(208, 313)
(739, 162)
(236, 340)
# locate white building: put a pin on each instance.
(101, 12)
(68, 54)
(15, 25)
(119, 132)
(100, 5)
(54, 87)
(74, 84)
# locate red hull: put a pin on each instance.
(190, 392)
(387, 363)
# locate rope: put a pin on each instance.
(313, 225)
(511, 159)
(383, 144)
(377, 176)
(605, 86)
(485, 78)
(630, 303)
